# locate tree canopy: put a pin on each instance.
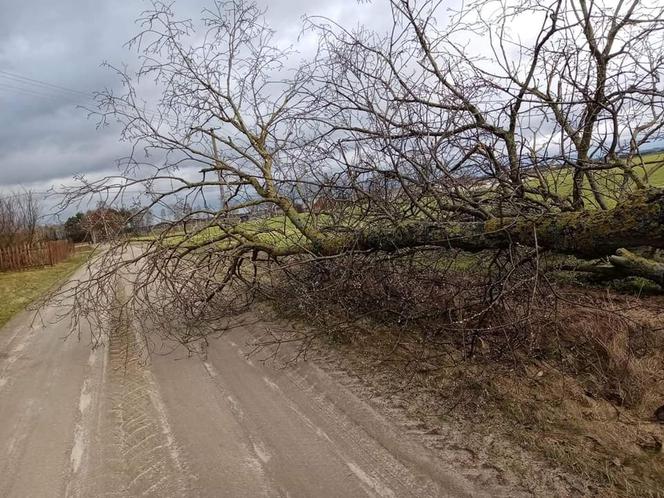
(447, 131)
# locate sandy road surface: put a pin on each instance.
(76, 422)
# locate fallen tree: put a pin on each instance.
(359, 150)
(638, 221)
(352, 188)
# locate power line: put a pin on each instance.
(30, 92)
(39, 88)
(26, 91)
(36, 82)
(20, 79)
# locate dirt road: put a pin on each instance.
(76, 422)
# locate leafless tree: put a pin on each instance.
(383, 143)
(475, 103)
(19, 216)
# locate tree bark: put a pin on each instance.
(638, 221)
(624, 264)
(632, 264)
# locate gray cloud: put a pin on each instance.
(44, 137)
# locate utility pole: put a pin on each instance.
(222, 193)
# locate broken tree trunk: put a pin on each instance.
(624, 264)
(638, 221)
(634, 265)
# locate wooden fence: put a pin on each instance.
(34, 255)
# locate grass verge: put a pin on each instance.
(18, 289)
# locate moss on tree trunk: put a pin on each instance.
(636, 222)
(639, 221)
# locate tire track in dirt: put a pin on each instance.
(136, 452)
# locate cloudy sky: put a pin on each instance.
(50, 63)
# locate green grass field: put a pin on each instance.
(652, 173)
(18, 289)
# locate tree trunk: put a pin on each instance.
(624, 264)
(638, 221)
(631, 264)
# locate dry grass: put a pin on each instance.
(590, 406)
(574, 380)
